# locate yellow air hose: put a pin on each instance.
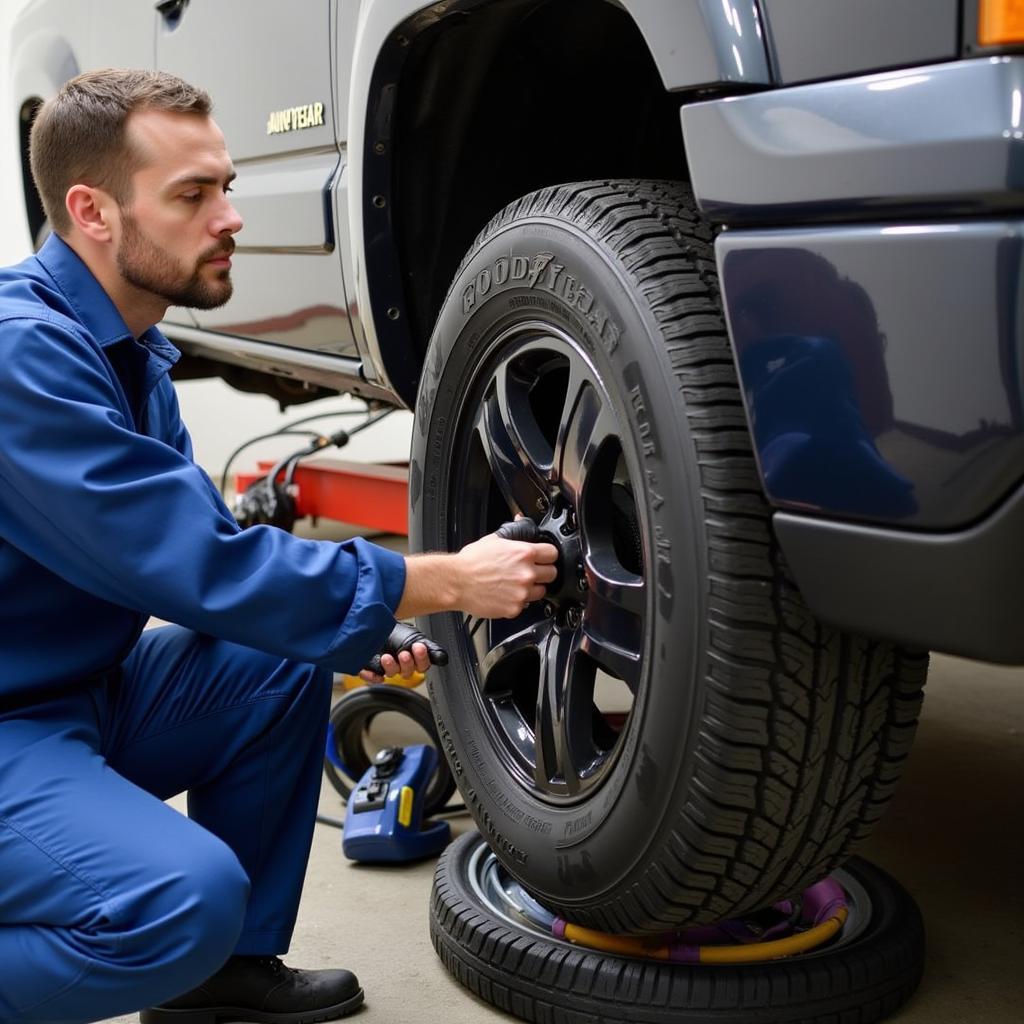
(753, 952)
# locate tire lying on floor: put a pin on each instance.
(671, 738)
(863, 975)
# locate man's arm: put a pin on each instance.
(131, 520)
(491, 578)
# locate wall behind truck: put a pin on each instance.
(218, 417)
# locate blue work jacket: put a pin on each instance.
(106, 520)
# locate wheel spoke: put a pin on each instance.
(564, 728)
(616, 604)
(533, 636)
(503, 418)
(616, 660)
(587, 422)
(619, 590)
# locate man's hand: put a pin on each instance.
(404, 664)
(405, 651)
(504, 576)
(490, 578)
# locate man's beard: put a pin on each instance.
(144, 264)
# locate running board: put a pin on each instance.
(339, 373)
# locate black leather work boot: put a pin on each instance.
(262, 990)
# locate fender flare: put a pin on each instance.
(694, 43)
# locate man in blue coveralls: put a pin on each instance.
(109, 899)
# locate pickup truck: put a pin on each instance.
(726, 296)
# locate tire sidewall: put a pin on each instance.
(539, 268)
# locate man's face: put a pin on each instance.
(176, 229)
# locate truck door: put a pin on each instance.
(267, 67)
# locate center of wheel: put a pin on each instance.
(566, 593)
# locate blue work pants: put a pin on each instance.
(111, 900)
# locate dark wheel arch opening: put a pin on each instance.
(486, 104)
(34, 211)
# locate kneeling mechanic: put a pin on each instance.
(109, 899)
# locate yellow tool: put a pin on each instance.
(354, 682)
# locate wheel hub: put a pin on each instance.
(566, 594)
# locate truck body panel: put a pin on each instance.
(865, 182)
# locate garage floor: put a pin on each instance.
(954, 836)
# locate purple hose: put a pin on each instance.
(820, 903)
(823, 900)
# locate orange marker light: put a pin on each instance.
(1000, 21)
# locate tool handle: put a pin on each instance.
(402, 637)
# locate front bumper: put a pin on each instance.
(872, 267)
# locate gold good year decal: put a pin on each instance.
(309, 115)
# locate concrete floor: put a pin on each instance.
(954, 836)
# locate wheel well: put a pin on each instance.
(34, 212)
(500, 99)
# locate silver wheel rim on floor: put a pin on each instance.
(507, 900)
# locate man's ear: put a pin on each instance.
(91, 211)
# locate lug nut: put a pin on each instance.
(542, 504)
(573, 616)
(549, 609)
(581, 584)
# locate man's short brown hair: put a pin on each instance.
(79, 136)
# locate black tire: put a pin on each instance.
(350, 719)
(865, 974)
(581, 360)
